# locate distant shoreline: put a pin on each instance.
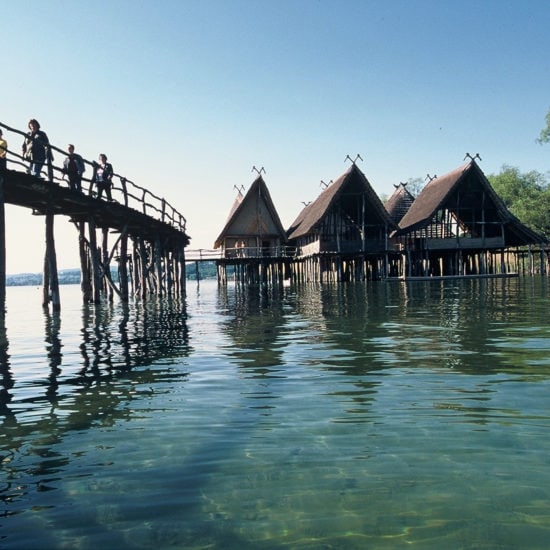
(72, 276)
(66, 277)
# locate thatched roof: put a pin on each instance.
(311, 217)
(256, 199)
(438, 192)
(399, 203)
(238, 200)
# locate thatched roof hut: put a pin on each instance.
(253, 227)
(462, 204)
(347, 216)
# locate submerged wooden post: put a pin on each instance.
(94, 260)
(85, 275)
(50, 283)
(143, 268)
(182, 270)
(123, 268)
(157, 258)
(2, 245)
(106, 264)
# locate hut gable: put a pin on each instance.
(253, 220)
(462, 204)
(399, 203)
(344, 217)
(346, 189)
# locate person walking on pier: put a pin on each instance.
(103, 177)
(73, 168)
(36, 148)
(3, 151)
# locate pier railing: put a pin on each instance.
(249, 252)
(123, 190)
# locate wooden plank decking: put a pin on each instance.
(45, 197)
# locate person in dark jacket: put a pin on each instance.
(103, 177)
(36, 148)
(73, 168)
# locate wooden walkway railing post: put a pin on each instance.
(124, 191)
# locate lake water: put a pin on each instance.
(376, 415)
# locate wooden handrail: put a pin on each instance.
(161, 209)
(236, 253)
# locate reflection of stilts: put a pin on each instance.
(53, 349)
(5, 373)
(123, 331)
(2, 246)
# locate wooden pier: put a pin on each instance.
(150, 235)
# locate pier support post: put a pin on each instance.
(181, 270)
(123, 267)
(2, 245)
(105, 261)
(50, 282)
(94, 260)
(157, 259)
(85, 275)
(143, 268)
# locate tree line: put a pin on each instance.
(527, 195)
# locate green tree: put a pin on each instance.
(415, 186)
(545, 132)
(527, 196)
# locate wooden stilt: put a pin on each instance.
(50, 283)
(94, 261)
(157, 255)
(143, 268)
(85, 273)
(123, 267)
(2, 246)
(106, 264)
(168, 273)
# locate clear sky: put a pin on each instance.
(185, 96)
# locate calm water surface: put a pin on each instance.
(384, 415)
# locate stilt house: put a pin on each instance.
(458, 225)
(343, 234)
(253, 228)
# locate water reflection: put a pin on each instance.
(451, 325)
(368, 332)
(115, 340)
(118, 337)
(53, 352)
(469, 326)
(254, 319)
(5, 372)
(121, 349)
